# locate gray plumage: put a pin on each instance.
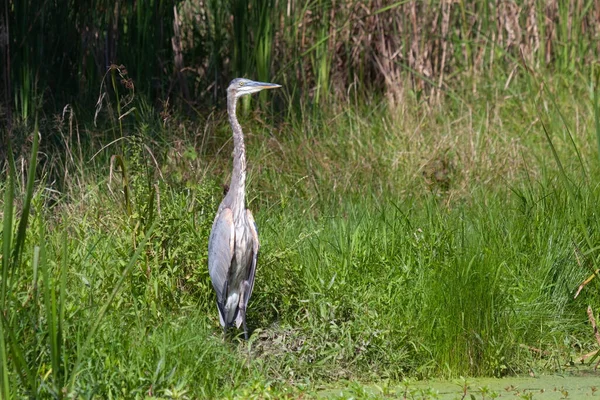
(233, 244)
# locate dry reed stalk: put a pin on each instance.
(387, 50)
(590, 314)
(446, 5)
(550, 16)
(178, 57)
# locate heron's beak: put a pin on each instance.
(263, 85)
(253, 87)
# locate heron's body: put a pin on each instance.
(233, 244)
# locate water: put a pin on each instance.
(582, 384)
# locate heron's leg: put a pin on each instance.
(222, 316)
(243, 305)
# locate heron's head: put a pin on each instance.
(241, 86)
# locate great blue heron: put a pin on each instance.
(233, 243)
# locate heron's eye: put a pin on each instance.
(241, 83)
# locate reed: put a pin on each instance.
(317, 45)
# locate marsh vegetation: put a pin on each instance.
(425, 184)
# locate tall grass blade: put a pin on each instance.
(569, 187)
(7, 234)
(117, 159)
(263, 34)
(18, 358)
(62, 300)
(21, 231)
(596, 105)
(566, 125)
(49, 294)
(5, 389)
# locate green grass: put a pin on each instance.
(396, 242)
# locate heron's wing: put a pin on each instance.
(220, 254)
(252, 267)
(255, 249)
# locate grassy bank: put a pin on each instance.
(413, 240)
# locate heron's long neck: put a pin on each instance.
(237, 188)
